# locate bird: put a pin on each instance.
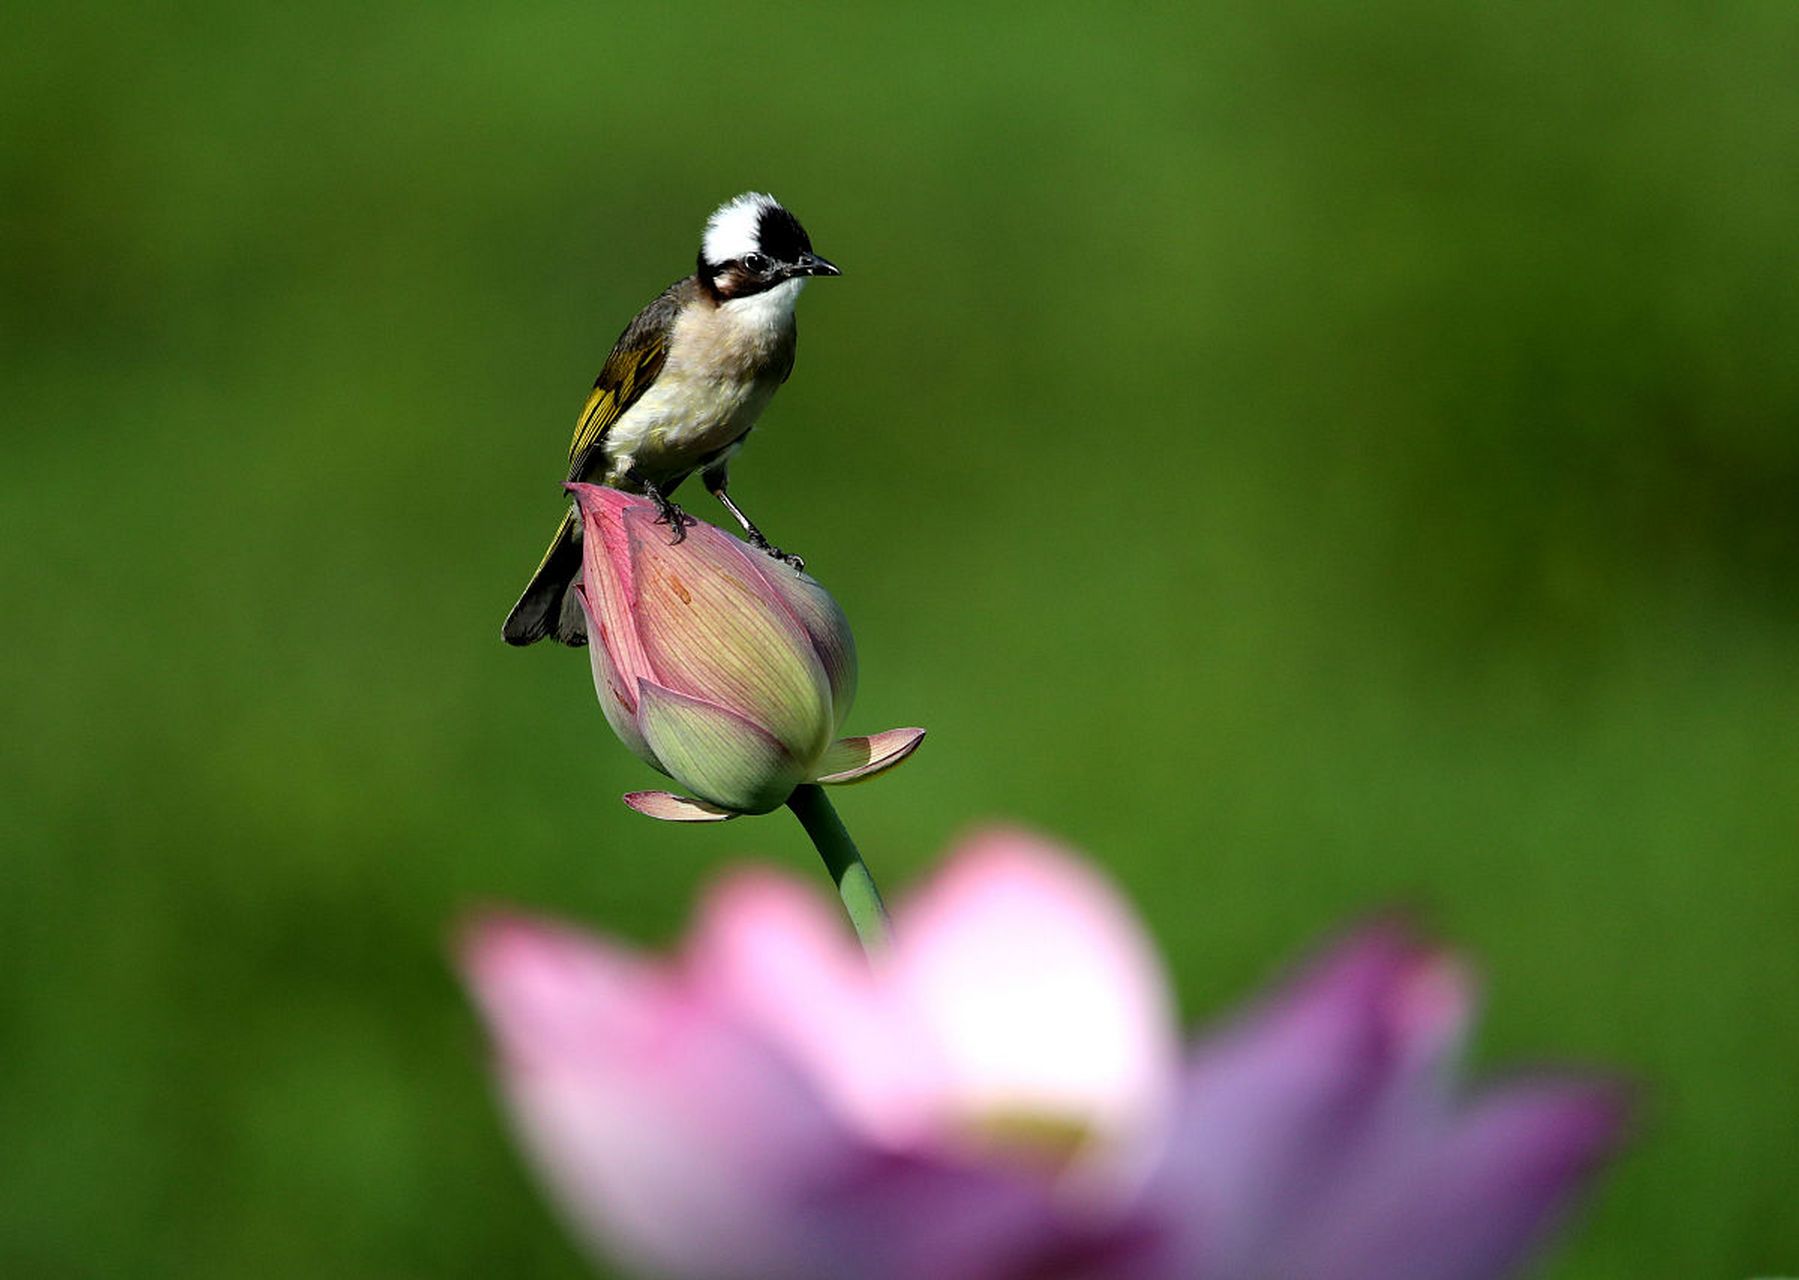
(684, 385)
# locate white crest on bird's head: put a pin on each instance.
(744, 225)
(733, 229)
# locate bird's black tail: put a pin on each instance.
(548, 606)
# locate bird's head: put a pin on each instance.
(753, 245)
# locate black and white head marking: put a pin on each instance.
(752, 245)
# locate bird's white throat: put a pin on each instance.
(770, 311)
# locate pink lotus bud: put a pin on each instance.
(725, 669)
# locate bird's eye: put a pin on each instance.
(755, 262)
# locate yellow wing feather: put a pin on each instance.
(633, 365)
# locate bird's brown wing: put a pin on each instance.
(635, 362)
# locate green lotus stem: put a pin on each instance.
(854, 883)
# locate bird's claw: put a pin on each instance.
(773, 552)
(677, 520)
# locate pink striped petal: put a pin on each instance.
(670, 807)
(617, 695)
(858, 759)
(822, 619)
(715, 631)
(607, 574)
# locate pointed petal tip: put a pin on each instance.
(1611, 1109)
(1394, 944)
(1593, 1114)
(858, 759)
(503, 951)
(1420, 989)
(1384, 983)
(483, 933)
(594, 499)
(1540, 1138)
(1006, 848)
(666, 806)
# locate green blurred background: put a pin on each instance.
(1310, 455)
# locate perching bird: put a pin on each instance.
(683, 386)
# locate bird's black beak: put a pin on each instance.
(810, 264)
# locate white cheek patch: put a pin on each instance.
(731, 230)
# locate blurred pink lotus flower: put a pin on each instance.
(1002, 1095)
(727, 670)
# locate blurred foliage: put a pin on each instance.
(1312, 455)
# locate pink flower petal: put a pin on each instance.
(608, 577)
(715, 631)
(617, 695)
(549, 993)
(780, 956)
(1314, 1130)
(671, 1140)
(906, 1216)
(1275, 1104)
(1474, 1203)
(858, 759)
(822, 618)
(1038, 987)
(668, 807)
(715, 752)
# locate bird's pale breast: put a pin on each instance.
(724, 364)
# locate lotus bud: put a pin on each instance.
(725, 669)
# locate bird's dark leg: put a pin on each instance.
(715, 485)
(671, 515)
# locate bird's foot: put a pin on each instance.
(785, 557)
(770, 550)
(675, 518)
